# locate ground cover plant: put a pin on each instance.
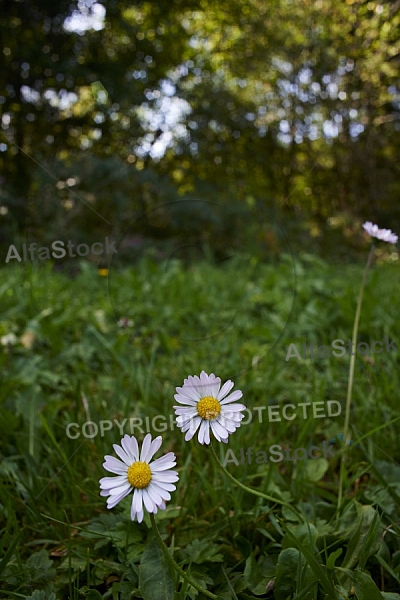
(104, 346)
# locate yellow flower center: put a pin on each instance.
(139, 474)
(208, 408)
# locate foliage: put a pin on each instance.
(78, 357)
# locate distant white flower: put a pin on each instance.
(207, 407)
(125, 322)
(386, 235)
(151, 482)
(8, 339)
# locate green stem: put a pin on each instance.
(248, 489)
(174, 564)
(346, 436)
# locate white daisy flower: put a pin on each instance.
(207, 407)
(151, 482)
(386, 235)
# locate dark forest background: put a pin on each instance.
(280, 108)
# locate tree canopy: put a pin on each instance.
(110, 109)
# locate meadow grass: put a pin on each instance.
(93, 348)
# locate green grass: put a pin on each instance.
(237, 320)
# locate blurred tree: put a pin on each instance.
(130, 104)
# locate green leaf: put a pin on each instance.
(306, 533)
(286, 572)
(379, 496)
(156, 579)
(10, 550)
(42, 595)
(330, 563)
(316, 469)
(387, 567)
(355, 545)
(199, 574)
(200, 551)
(258, 574)
(318, 570)
(371, 542)
(365, 587)
(40, 565)
(90, 594)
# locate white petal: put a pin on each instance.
(234, 415)
(165, 462)
(214, 389)
(232, 397)
(137, 501)
(122, 454)
(202, 431)
(113, 500)
(183, 400)
(185, 410)
(155, 446)
(215, 432)
(195, 384)
(232, 408)
(234, 422)
(182, 420)
(148, 502)
(135, 447)
(208, 385)
(226, 388)
(120, 489)
(110, 482)
(207, 434)
(189, 435)
(169, 476)
(130, 448)
(185, 424)
(134, 514)
(146, 448)
(155, 488)
(154, 494)
(188, 391)
(170, 487)
(192, 426)
(229, 425)
(221, 429)
(113, 465)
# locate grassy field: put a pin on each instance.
(113, 346)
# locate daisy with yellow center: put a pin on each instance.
(207, 407)
(151, 482)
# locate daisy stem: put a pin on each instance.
(346, 435)
(174, 564)
(248, 489)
